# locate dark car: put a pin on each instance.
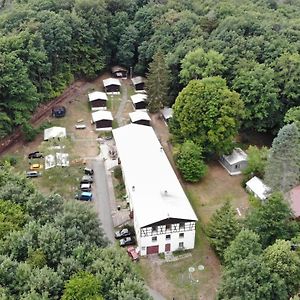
(36, 154)
(59, 112)
(84, 196)
(33, 174)
(88, 171)
(122, 233)
(127, 241)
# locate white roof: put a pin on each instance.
(54, 132)
(139, 115)
(101, 115)
(136, 98)
(111, 81)
(258, 188)
(167, 112)
(236, 156)
(137, 80)
(97, 96)
(62, 159)
(157, 193)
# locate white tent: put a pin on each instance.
(97, 96)
(49, 161)
(54, 132)
(258, 188)
(62, 159)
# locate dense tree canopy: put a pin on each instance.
(53, 249)
(208, 113)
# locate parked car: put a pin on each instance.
(133, 254)
(122, 233)
(84, 196)
(86, 179)
(35, 167)
(36, 154)
(59, 111)
(127, 241)
(85, 187)
(88, 171)
(80, 126)
(33, 174)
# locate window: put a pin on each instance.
(168, 227)
(168, 236)
(154, 238)
(154, 228)
(181, 245)
(181, 225)
(143, 248)
(181, 235)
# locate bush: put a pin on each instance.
(118, 173)
(190, 163)
(29, 132)
(10, 159)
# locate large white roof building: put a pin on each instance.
(163, 217)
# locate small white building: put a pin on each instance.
(139, 101)
(54, 132)
(102, 120)
(140, 117)
(258, 188)
(112, 85)
(164, 219)
(98, 100)
(235, 162)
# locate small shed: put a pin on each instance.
(54, 132)
(112, 85)
(119, 72)
(167, 113)
(139, 101)
(98, 100)
(235, 162)
(140, 117)
(258, 188)
(138, 83)
(102, 119)
(294, 200)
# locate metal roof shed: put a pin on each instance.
(97, 100)
(102, 119)
(235, 162)
(140, 117)
(258, 188)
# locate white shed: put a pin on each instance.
(140, 117)
(258, 188)
(98, 100)
(102, 119)
(235, 162)
(54, 132)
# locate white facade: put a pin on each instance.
(163, 217)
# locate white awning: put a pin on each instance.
(97, 96)
(101, 115)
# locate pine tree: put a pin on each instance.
(157, 83)
(283, 166)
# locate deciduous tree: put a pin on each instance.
(208, 113)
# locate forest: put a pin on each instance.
(253, 46)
